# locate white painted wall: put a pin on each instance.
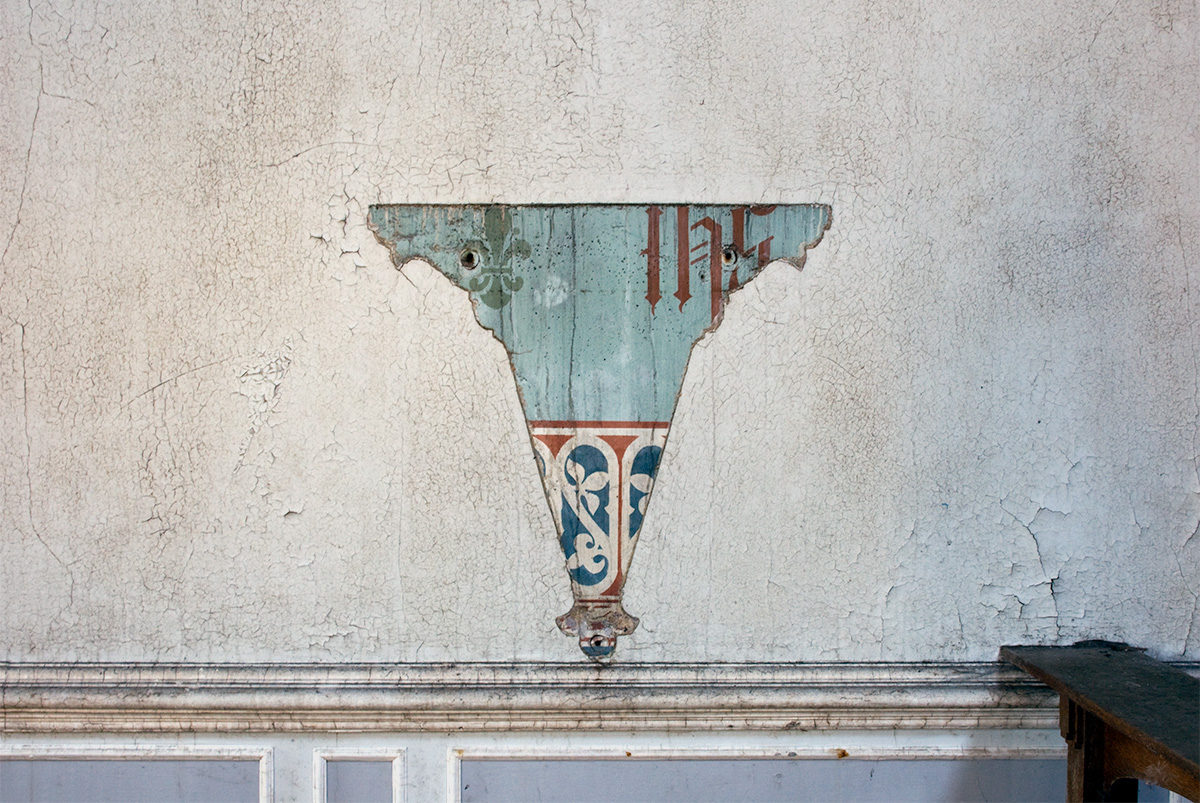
(232, 431)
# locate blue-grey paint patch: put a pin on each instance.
(599, 305)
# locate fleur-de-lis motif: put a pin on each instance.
(496, 286)
(495, 283)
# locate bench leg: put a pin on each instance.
(1087, 761)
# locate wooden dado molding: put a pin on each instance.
(480, 697)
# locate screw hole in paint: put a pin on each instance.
(469, 258)
(597, 641)
(729, 255)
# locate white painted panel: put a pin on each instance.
(689, 780)
(99, 770)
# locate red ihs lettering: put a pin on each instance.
(652, 254)
(683, 257)
(715, 255)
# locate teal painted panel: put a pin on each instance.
(599, 305)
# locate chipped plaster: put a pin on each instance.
(233, 432)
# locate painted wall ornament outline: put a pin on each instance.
(576, 295)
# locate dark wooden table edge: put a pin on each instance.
(1190, 765)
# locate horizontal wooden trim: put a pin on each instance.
(480, 697)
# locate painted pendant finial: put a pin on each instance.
(578, 295)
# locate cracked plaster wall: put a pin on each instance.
(231, 431)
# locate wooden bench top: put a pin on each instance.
(1151, 703)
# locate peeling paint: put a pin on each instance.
(973, 420)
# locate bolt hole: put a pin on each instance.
(469, 258)
(597, 641)
(729, 255)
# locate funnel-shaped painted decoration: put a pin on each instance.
(598, 306)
